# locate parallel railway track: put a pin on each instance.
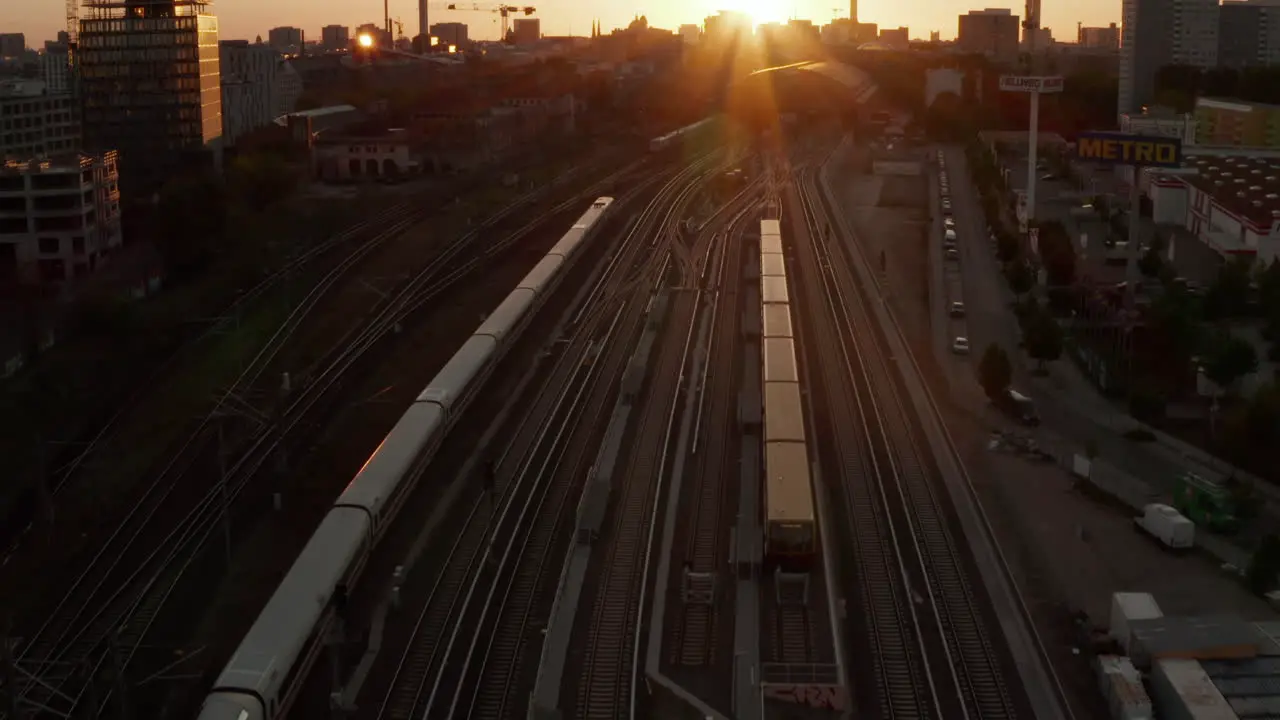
(975, 669)
(896, 653)
(713, 494)
(610, 659)
(137, 569)
(964, 671)
(465, 648)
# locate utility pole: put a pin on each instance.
(10, 669)
(117, 672)
(224, 491)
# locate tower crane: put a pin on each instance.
(504, 11)
(1031, 29)
(73, 20)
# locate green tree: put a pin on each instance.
(1229, 358)
(1175, 322)
(995, 372)
(1228, 296)
(1043, 338)
(189, 221)
(1020, 277)
(1264, 565)
(260, 180)
(1151, 261)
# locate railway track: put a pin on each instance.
(363, 233)
(490, 581)
(966, 679)
(897, 654)
(974, 666)
(611, 656)
(118, 597)
(702, 532)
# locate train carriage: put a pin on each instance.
(776, 320)
(261, 679)
(783, 413)
(771, 244)
(772, 265)
(770, 226)
(789, 513)
(780, 360)
(774, 290)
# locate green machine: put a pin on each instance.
(1205, 502)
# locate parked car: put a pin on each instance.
(952, 254)
(957, 309)
(960, 346)
(948, 222)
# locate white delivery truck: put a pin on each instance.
(1127, 607)
(1167, 525)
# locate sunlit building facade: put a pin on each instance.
(149, 78)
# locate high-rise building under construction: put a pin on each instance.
(149, 81)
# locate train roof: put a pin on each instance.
(770, 244)
(783, 412)
(780, 360)
(271, 647)
(770, 226)
(776, 319)
(774, 290)
(788, 488)
(773, 265)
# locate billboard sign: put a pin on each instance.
(1113, 148)
(1031, 83)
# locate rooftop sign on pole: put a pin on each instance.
(1031, 83)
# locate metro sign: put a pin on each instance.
(1031, 83)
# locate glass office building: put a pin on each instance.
(150, 88)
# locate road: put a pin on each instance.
(1074, 415)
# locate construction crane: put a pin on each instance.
(504, 11)
(73, 20)
(1031, 30)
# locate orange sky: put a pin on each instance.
(245, 19)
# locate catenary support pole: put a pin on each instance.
(1131, 266)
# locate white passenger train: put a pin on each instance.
(263, 676)
(659, 144)
(789, 531)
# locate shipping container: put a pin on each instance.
(1183, 691)
(1121, 685)
(1127, 607)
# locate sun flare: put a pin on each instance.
(762, 11)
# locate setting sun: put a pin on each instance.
(762, 11)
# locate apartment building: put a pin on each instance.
(1249, 33)
(258, 86)
(1237, 123)
(992, 32)
(59, 217)
(55, 67)
(526, 31)
(335, 37)
(36, 123)
(288, 40)
(1099, 38)
(1156, 33)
